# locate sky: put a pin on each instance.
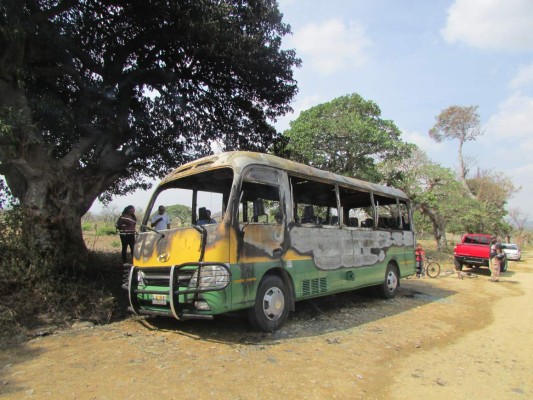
(415, 58)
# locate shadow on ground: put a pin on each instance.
(311, 318)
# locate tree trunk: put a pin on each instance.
(462, 172)
(54, 193)
(439, 227)
(51, 226)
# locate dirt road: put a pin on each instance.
(442, 338)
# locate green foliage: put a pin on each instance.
(108, 94)
(34, 297)
(346, 136)
(87, 226)
(478, 217)
(13, 264)
(179, 212)
(440, 201)
(215, 70)
(103, 230)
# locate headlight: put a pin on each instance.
(212, 276)
(140, 278)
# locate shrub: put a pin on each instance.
(36, 299)
(106, 230)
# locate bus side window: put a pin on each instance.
(403, 217)
(259, 204)
(314, 202)
(357, 208)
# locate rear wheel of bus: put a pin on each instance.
(388, 288)
(271, 305)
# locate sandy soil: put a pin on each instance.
(443, 338)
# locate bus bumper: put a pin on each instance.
(181, 291)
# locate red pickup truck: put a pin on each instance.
(474, 251)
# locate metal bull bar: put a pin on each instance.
(174, 291)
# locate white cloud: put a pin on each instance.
(523, 78)
(513, 121)
(491, 24)
(522, 177)
(331, 46)
(433, 149)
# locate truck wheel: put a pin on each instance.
(458, 264)
(271, 305)
(388, 288)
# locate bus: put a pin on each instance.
(279, 232)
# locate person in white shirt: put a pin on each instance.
(161, 220)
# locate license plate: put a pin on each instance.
(159, 299)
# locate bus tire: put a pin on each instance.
(271, 305)
(388, 288)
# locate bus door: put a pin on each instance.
(260, 233)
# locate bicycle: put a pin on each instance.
(431, 268)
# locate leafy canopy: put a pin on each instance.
(346, 136)
(118, 90)
(456, 122)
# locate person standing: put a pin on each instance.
(126, 228)
(161, 220)
(498, 260)
(419, 255)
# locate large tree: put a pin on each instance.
(96, 95)
(346, 135)
(458, 123)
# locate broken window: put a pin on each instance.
(388, 215)
(184, 197)
(405, 217)
(314, 202)
(357, 208)
(259, 200)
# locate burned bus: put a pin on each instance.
(279, 232)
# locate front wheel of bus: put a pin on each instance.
(388, 288)
(271, 305)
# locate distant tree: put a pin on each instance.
(519, 219)
(458, 123)
(96, 96)
(492, 188)
(346, 135)
(435, 193)
(438, 196)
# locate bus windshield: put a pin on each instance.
(186, 200)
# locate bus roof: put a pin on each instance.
(238, 160)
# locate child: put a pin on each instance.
(419, 255)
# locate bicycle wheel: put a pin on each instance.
(433, 269)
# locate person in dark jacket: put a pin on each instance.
(126, 228)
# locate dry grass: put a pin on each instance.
(32, 306)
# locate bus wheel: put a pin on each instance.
(271, 305)
(388, 288)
